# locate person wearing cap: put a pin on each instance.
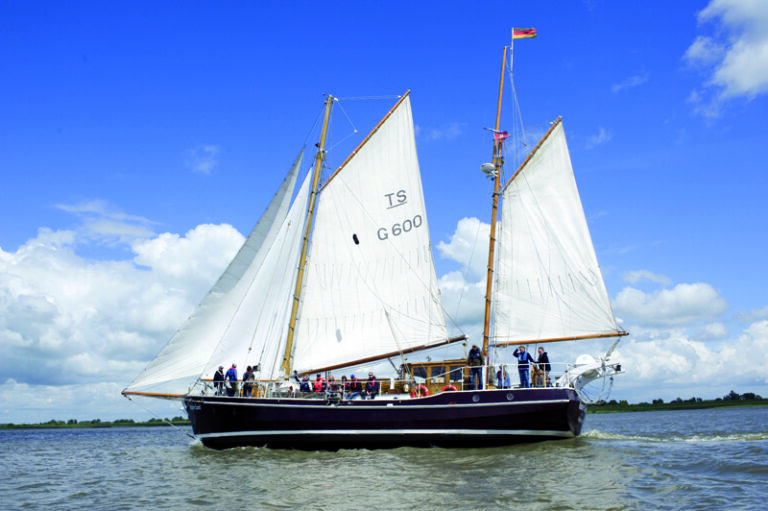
(218, 381)
(355, 387)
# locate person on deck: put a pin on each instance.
(355, 388)
(543, 365)
(502, 378)
(475, 362)
(333, 385)
(304, 384)
(371, 387)
(523, 367)
(231, 377)
(320, 383)
(248, 377)
(218, 381)
(344, 385)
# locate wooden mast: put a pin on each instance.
(498, 160)
(319, 158)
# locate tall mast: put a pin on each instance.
(498, 160)
(319, 158)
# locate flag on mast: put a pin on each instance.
(521, 33)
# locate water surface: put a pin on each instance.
(697, 459)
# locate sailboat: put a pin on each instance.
(339, 275)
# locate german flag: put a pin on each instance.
(521, 33)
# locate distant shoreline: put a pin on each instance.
(675, 405)
(96, 423)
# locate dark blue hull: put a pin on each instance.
(449, 419)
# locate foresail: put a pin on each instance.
(548, 283)
(370, 283)
(186, 355)
(257, 331)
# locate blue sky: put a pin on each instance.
(141, 140)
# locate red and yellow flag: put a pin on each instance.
(520, 33)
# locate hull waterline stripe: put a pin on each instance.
(401, 432)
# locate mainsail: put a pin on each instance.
(220, 315)
(370, 285)
(548, 283)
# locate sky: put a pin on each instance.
(140, 141)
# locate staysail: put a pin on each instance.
(370, 286)
(187, 354)
(548, 283)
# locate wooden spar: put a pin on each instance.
(560, 339)
(127, 393)
(535, 149)
(384, 356)
(497, 161)
(319, 158)
(365, 140)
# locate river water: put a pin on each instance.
(699, 459)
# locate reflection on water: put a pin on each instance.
(700, 459)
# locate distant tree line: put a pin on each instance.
(731, 396)
(731, 399)
(98, 423)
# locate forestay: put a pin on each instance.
(370, 283)
(223, 314)
(548, 283)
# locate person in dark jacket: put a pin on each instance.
(543, 365)
(248, 377)
(355, 387)
(523, 360)
(304, 384)
(475, 362)
(371, 387)
(218, 381)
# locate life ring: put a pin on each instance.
(419, 391)
(450, 388)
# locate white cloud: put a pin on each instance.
(711, 332)
(735, 58)
(636, 276)
(704, 52)
(66, 320)
(468, 246)
(601, 137)
(102, 223)
(448, 132)
(684, 305)
(632, 81)
(203, 158)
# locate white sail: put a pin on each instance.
(187, 354)
(257, 331)
(548, 283)
(370, 285)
